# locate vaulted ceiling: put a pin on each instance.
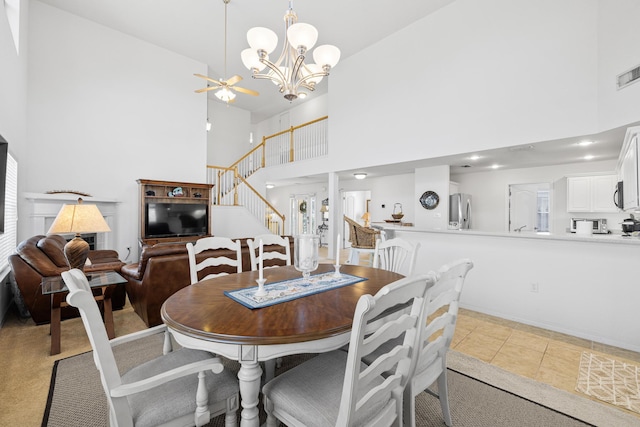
(195, 29)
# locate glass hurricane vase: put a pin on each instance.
(305, 253)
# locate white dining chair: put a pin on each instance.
(276, 251)
(182, 387)
(432, 360)
(436, 339)
(197, 264)
(397, 255)
(337, 388)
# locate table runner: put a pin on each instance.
(287, 290)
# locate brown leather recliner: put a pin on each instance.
(163, 270)
(42, 256)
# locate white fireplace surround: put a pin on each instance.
(43, 209)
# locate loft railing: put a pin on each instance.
(306, 141)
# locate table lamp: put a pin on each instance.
(366, 217)
(78, 219)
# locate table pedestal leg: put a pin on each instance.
(249, 378)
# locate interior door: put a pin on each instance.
(523, 207)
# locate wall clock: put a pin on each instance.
(429, 200)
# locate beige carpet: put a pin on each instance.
(480, 395)
(609, 380)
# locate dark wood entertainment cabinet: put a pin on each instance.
(158, 192)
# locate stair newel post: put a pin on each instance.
(291, 154)
(236, 182)
(264, 149)
(219, 188)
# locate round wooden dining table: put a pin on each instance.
(201, 316)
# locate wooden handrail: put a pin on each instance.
(246, 165)
(293, 128)
(257, 147)
(281, 216)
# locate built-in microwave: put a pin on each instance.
(599, 225)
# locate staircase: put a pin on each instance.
(231, 186)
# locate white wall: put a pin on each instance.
(228, 139)
(106, 109)
(472, 76)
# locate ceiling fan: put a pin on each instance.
(226, 87)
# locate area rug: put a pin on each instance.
(609, 380)
(76, 397)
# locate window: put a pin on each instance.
(8, 239)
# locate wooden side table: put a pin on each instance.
(54, 286)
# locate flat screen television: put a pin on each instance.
(175, 219)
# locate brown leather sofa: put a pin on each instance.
(163, 270)
(43, 256)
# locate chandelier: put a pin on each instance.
(290, 73)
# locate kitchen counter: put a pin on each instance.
(572, 284)
(613, 238)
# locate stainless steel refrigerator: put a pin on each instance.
(459, 211)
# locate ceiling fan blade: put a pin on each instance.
(247, 91)
(207, 78)
(206, 89)
(233, 80)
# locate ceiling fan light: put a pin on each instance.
(251, 60)
(225, 95)
(326, 55)
(261, 38)
(302, 35)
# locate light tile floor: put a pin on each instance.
(539, 354)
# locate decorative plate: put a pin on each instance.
(429, 200)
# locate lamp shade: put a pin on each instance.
(312, 69)
(251, 60)
(326, 55)
(301, 34)
(78, 219)
(261, 38)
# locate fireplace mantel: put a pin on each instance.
(43, 209)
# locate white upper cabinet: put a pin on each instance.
(591, 193)
(628, 169)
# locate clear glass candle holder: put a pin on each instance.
(305, 253)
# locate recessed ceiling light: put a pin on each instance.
(360, 175)
(270, 186)
(495, 166)
(475, 157)
(588, 157)
(585, 143)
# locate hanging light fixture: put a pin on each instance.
(290, 73)
(225, 88)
